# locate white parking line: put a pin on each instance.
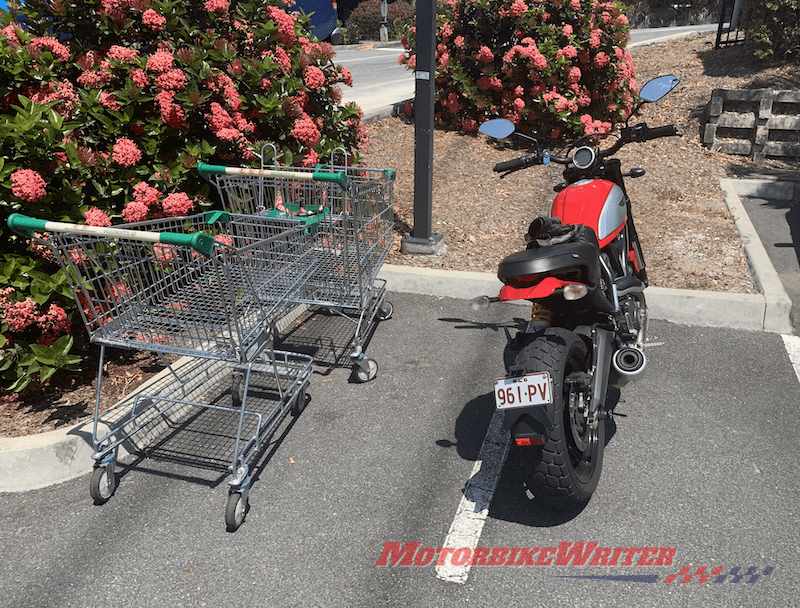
(792, 344)
(465, 531)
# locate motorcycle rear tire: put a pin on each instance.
(559, 473)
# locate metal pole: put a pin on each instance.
(423, 240)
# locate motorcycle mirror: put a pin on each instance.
(657, 88)
(499, 128)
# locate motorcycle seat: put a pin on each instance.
(577, 260)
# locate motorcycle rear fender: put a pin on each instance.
(539, 291)
(536, 422)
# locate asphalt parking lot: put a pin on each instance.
(699, 471)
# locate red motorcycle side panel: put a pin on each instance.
(597, 203)
(541, 290)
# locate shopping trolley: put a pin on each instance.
(349, 210)
(208, 286)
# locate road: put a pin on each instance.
(701, 464)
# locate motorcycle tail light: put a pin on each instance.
(527, 441)
(575, 292)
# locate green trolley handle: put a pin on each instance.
(336, 177)
(28, 225)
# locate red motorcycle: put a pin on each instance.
(584, 273)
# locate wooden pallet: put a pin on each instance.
(755, 122)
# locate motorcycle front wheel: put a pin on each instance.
(563, 472)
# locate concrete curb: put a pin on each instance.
(777, 315)
(36, 461)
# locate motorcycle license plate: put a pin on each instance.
(523, 391)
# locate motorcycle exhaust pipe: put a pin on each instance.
(629, 363)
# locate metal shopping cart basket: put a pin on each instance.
(208, 286)
(350, 211)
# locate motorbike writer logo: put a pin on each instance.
(571, 554)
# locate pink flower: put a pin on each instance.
(283, 58)
(519, 8)
(314, 78)
(576, 5)
(219, 118)
(153, 20)
(11, 31)
(140, 78)
(346, 76)
(21, 315)
(121, 53)
(160, 61)
(92, 79)
(28, 185)
(125, 152)
(306, 131)
(53, 324)
(311, 159)
(177, 204)
(594, 38)
(96, 217)
(171, 80)
(285, 23)
(452, 103)
(109, 100)
(229, 134)
(601, 59)
(459, 42)
(171, 113)
(165, 253)
(485, 55)
(58, 50)
(569, 51)
(134, 211)
(574, 75)
(470, 125)
(145, 194)
(567, 29)
(224, 238)
(219, 7)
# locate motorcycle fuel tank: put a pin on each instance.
(597, 203)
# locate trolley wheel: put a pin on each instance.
(385, 311)
(235, 511)
(102, 485)
(299, 403)
(237, 389)
(365, 369)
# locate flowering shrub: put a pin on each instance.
(34, 324)
(107, 106)
(557, 68)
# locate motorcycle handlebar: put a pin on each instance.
(639, 133)
(515, 164)
(665, 131)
